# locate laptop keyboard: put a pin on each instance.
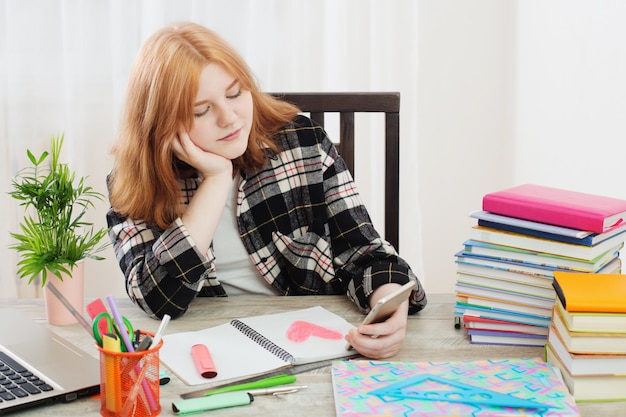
(17, 381)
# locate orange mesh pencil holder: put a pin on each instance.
(129, 382)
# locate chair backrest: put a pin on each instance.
(347, 104)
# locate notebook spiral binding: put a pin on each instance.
(263, 341)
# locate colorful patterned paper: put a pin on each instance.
(362, 388)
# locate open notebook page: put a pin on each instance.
(308, 335)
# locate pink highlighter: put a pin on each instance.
(203, 361)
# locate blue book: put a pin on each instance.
(529, 224)
(499, 314)
(543, 230)
(542, 260)
(513, 296)
(489, 337)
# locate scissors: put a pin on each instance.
(111, 327)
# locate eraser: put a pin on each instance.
(203, 361)
(93, 309)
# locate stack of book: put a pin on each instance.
(523, 236)
(587, 339)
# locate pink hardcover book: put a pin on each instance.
(559, 207)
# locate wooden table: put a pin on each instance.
(431, 336)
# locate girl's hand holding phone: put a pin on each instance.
(386, 320)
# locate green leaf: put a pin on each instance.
(53, 235)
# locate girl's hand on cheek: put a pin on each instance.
(207, 163)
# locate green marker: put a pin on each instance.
(214, 402)
(261, 383)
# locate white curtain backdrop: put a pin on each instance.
(64, 67)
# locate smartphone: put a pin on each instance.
(386, 306)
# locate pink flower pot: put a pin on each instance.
(72, 288)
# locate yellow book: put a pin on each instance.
(594, 293)
(604, 343)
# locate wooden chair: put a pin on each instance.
(347, 104)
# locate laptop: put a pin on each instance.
(37, 367)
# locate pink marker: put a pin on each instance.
(203, 361)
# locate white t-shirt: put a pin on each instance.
(233, 265)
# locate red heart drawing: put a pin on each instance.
(300, 331)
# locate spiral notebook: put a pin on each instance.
(257, 345)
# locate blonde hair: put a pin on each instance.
(161, 93)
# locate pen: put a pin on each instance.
(261, 383)
(137, 338)
(159, 333)
(120, 324)
(276, 390)
(271, 381)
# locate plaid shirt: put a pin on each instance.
(301, 220)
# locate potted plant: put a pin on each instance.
(54, 236)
